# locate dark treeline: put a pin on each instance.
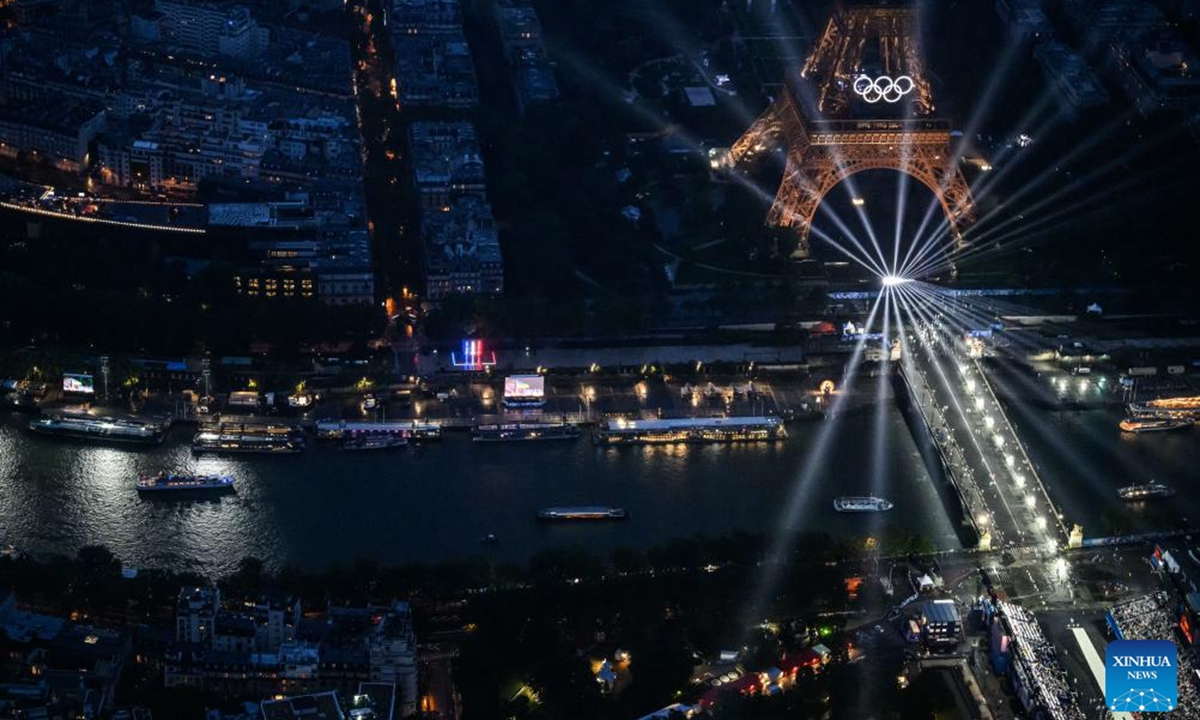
(92, 580)
(534, 625)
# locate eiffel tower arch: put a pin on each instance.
(861, 102)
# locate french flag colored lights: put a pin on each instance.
(474, 356)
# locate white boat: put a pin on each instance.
(582, 513)
(1146, 492)
(861, 504)
(165, 481)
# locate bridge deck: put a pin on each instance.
(983, 456)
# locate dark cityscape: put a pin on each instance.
(590, 359)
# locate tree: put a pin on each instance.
(98, 577)
(249, 579)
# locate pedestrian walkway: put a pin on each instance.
(1095, 665)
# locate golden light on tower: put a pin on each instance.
(846, 127)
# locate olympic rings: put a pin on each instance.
(882, 88)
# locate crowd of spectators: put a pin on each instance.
(1035, 663)
(1151, 618)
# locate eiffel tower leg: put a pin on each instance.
(951, 190)
(761, 133)
(796, 204)
(957, 236)
(960, 209)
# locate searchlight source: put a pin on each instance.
(894, 280)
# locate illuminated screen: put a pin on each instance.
(524, 386)
(79, 384)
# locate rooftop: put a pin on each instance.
(436, 69)
(519, 24)
(941, 611)
(66, 115)
(319, 706)
(1161, 54)
(462, 238)
(232, 624)
(700, 96)
(77, 640)
(379, 698)
(24, 627)
(445, 152)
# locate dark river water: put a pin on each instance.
(436, 501)
(1083, 458)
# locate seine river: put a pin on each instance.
(436, 501)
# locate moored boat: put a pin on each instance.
(623, 431)
(1175, 407)
(373, 442)
(512, 432)
(413, 430)
(249, 436)
(103, 429)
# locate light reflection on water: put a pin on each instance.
(435, 501)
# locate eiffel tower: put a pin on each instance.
(862, 101)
